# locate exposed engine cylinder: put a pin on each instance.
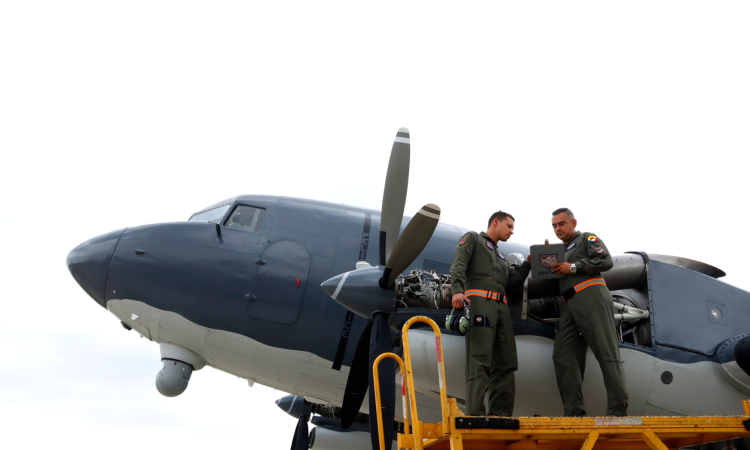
(427, 289)
(325, 439)
(179, 363)
(424, 289)
(173, 378)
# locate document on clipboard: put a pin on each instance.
(542, 258)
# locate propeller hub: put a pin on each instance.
(359, 291)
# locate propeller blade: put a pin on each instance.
(356, 383)
(380, 342)
(413, 240)
(301, 438)
(394, 194)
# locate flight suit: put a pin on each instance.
(481, 272)
(588, 319)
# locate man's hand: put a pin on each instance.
(562, 268)
(528, 259)
(458, 299)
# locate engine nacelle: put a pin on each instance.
(325, 439)
(179, 364)
(742, 354)
(733, 357)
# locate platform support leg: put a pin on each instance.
(653, 442)
(746, 404)
(457, 442)
(590, 440)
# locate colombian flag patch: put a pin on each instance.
(593, 239)
(462, 241)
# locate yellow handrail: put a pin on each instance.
(376, 382)
(441, 376)
(408, 382)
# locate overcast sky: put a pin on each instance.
(112, 114)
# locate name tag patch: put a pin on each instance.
(500, 255)
(570, 246)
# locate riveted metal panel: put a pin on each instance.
(682, 304)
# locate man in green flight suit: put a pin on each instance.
(481, 276)
(587, 319)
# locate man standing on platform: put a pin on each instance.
(586, 320)
(481, 277)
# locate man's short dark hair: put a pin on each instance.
(500, 216)
(564, 210)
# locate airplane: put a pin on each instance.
(302, 295)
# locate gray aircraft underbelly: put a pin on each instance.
(693, 389)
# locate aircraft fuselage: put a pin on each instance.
(249, 303)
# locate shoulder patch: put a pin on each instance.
(462, 241)
(593, 239)
(490, 245)
(599, 250)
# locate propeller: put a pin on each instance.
(356, 383)
(301, 438)
(380, 342)
(394, 194)
(413, 240)
(357, 291)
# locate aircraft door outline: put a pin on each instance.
(280, 283)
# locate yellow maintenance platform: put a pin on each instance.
(459, 432)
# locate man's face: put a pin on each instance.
(564, 226)
(504, 229)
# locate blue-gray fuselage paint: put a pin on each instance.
(265, 284)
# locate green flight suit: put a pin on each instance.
(587, 319)
(491, 359)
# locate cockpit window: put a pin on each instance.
(246, 218)
(212, 215)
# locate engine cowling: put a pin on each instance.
(742, 354)
(733, 357)
(326, 439)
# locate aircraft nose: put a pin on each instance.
(89, 263)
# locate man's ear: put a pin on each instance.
(575, 223)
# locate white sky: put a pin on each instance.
(633, 114)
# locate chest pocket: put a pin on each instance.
(496, 261)
(573, 250)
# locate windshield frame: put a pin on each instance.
(219, 220)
